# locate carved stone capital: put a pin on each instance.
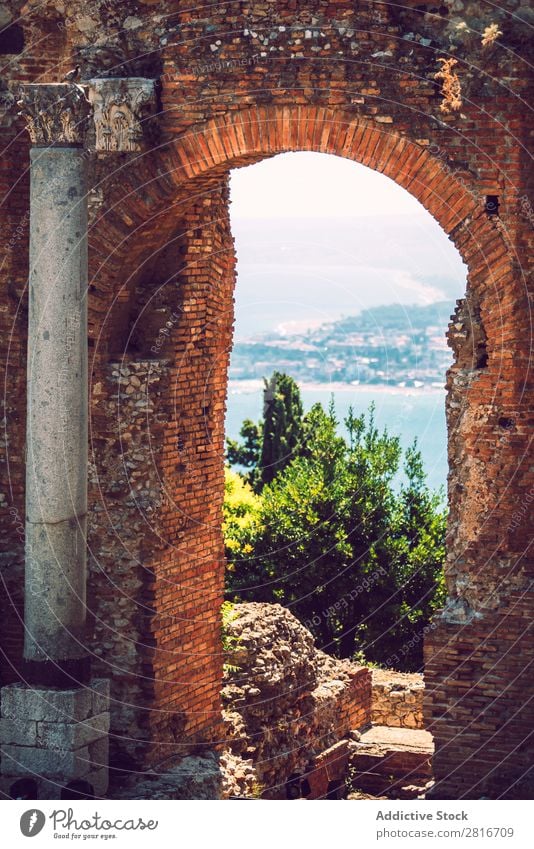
(55, 113)
(121, 107)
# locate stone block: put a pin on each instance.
(61, 741)
(100, 696)
(72, 735)
(19, 732)
(99, 780)
(49, 763)
(41, 704)
(99, 752)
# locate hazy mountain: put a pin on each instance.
(304, 273)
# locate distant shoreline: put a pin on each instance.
(252, 385)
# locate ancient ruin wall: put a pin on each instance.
(286, 702)
(397, 699)
(239, 84)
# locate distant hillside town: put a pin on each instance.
(391, 345)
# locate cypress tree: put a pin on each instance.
(282, 425)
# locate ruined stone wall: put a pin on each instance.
(397, 699)
(285, 701)
(239, 83)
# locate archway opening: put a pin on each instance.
(345, 287)
(335, 511)
(184, 488)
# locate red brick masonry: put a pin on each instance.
(241, 82)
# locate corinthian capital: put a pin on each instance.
(121, 106)
(55, 113)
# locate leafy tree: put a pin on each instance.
(246, 454)
(282, 424)
(268, 446)
(357, 559)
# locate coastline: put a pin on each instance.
(250, 386)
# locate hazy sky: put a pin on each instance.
(318, 236)
(316, 185)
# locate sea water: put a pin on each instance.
(407, 413)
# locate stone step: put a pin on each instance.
(392, 762)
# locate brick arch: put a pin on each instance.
(208, 151)
(483, 632)
(249, 135)
(156, 193)
(205, 153)
(178, 198)
(202, 156)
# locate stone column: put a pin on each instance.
(54, 725)
(56, 437)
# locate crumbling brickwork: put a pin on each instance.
(286, 703)
(238, 83)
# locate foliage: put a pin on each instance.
(230, 644)
(490, 35)
(451, 88)
(282, 425)
(356, 558)
(267, 447)
(241, 510)
(247, 453)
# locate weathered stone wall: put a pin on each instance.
(397, 699)
(286, 701)
(239, 83)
